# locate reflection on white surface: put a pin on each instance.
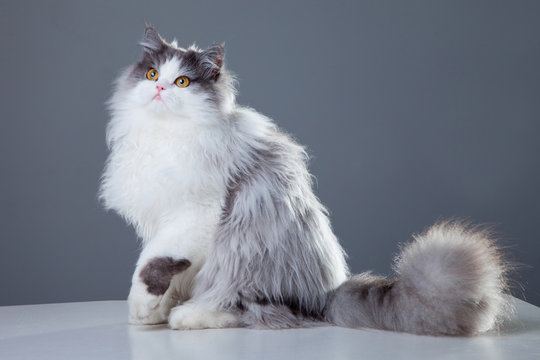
(158, 342)
(99, 330)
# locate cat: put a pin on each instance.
(232, 233)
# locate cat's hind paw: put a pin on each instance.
(194, 316)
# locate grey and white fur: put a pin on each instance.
(233, 235)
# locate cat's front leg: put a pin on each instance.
(169, 262)
(162, 277)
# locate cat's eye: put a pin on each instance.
(152, 74)
(182, 81)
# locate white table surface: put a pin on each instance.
(99, 330)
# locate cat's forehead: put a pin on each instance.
(172, 60)
(165, 53)
(170, 67)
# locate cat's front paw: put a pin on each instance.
(145, 308)
(194, 316)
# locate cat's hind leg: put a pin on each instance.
(201, 315)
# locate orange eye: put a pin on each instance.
(182, 81)
(152, 74)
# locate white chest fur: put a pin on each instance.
(159, 166)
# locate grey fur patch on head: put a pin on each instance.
(158, 272)
(204, 68)
(203, 65)
(156, 51)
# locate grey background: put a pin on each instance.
(412, 112)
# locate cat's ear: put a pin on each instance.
(211, 61)
(152, 41)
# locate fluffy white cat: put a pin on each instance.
(232, 232)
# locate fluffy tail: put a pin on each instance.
(450, 281)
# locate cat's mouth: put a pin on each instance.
(157, 97)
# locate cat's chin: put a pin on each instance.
(160, 111)
(158, 107)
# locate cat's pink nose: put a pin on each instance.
(159, 87)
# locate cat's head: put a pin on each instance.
(169, 80)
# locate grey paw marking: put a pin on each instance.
(157, 274)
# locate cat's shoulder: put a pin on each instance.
(247, 122)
